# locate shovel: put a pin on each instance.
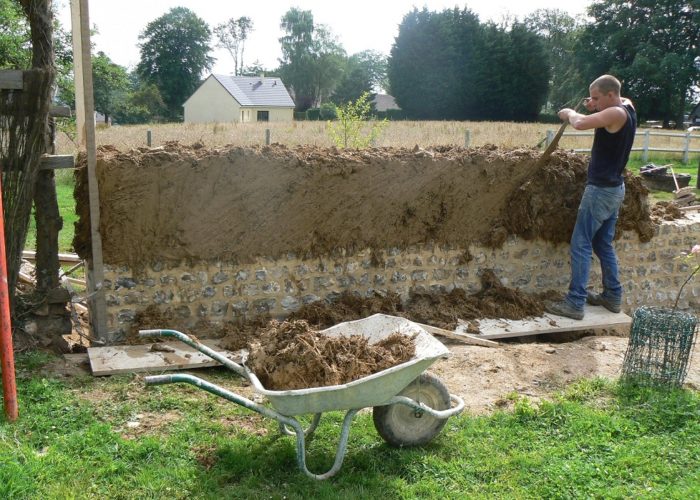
(679, 192)
(553, 145)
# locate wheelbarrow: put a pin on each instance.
(410, 407)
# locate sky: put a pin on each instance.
(358, 24)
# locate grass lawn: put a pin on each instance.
(597, 439)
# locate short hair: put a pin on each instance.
(607, 83)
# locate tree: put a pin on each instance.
(110, 83)
(447, 65)
(312, 58)
(560, 33)
(232, 36)
(652, 46)
(15, 47)
(431, 64)
(174, 54)
(355, 82)
(374, 64)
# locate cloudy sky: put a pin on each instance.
(358, 25)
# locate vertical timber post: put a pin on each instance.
(85, 121)
(645, 152)
(550, 138)
(148, 138)
(267, 137)
(467, 138)
(686, 148)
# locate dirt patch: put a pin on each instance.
(236, 204)
(291, 355)
(486, 377)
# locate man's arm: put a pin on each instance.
(612, 118)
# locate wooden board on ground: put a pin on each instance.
(595, 317)
(462, 337)
(170, 355)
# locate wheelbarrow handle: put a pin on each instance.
(198, 346)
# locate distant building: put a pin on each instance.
(383, 102)
(226, 98)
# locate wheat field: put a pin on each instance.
(396, 134)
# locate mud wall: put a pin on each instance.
(232, 233)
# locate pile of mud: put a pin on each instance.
(434, 308)
(665, 211)
(291, 355)
(441, 309)
(232, 203)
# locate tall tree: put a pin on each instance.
(174, 54)
(431, 63)
(374, 64)
(232, 36)
(560, 33)
(15, 49)
(110, 83)
(652, 46)
(312, 58)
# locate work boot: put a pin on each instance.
(563, 308)
(597, 299)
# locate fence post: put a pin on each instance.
(148, 138)
(550, 138)
(645, 154)
(467, 138)
(686, 147)
(267, 137)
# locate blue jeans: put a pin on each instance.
(594, 232)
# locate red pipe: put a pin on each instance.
(7, 356)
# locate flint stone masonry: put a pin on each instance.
(651, 273)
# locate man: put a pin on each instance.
(615, 121)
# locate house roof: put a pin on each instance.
(256, 90)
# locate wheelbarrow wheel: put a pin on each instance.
(400, 425)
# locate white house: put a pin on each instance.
(226, 98)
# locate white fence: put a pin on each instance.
(645, 148)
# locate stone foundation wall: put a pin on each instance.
(218, 291)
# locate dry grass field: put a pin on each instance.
(396, 134)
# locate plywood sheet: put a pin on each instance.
(594, 317)
(171, 355)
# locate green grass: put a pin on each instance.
(596, 439)
(66, 207)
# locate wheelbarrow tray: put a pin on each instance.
(373, 390)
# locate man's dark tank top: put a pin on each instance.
(610, 152)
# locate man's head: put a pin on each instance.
(605, 92)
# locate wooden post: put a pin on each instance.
(148, 138)
(267, 136)
(645, 148)
(686, 148)
(467, 138)
(85, 120)
(550, 137)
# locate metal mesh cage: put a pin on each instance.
(659, 348)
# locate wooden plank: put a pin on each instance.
(11, 79)
(171, 355)
(53, 162)
(85, 121)
(62, 257)
(462, 337)
(595, 317)
(60, 112)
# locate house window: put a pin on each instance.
(263, 116)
